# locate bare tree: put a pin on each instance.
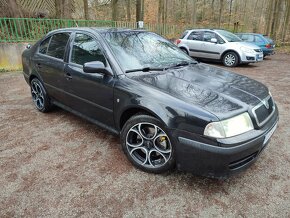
(86, 9)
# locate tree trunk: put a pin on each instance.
(128, 10)
(14, 9)
(194, 13)
(220, 13)
(86, 9)
(285, 27)
(58, 9)
(114, 10)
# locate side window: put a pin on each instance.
(86, 49)
(195, 36)
(207, 36)
(259, 39)
(57, 45)
(43, 46)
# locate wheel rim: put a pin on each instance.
(230, 59)
(37, 95)
(148, 145)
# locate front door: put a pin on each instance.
(88, 93)
(210, 49)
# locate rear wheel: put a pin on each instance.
(39, 96)
(147, 144)
(230, 59)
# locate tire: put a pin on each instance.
(230, 59)
(39, 96)
(147, 144)
(184, 50)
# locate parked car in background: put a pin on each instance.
(169, 110)
(265, 43)
(218, 44)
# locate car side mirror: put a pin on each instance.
(213, 40)
(28, 46)
(96, 67)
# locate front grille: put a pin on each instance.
(264, 110)
(258, 50)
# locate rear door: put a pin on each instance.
(210, 49)
(88, 93)
(49, 63)
(194, 41)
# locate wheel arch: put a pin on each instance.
(133, 110)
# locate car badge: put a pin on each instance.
(265, 103)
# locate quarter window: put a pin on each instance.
(43, 46)
(86, 49)
(195, 36)
(57, 45)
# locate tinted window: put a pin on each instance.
(86, 49)
(43, 46)
(207, 36)
(195, 36)
(57, 45)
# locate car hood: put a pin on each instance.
(216, 90)
(245, 44)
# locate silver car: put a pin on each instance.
(217, 44)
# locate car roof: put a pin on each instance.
(204, 29)
(97, 29)
(251, 34)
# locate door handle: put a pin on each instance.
(68, 76)
(38, 65)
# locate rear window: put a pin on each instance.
(247, 38)
(57, 45)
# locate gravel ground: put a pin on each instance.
(58, 165)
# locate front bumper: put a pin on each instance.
(229, 157)
(251, 57)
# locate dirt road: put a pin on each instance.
(57, 164)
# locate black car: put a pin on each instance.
(169, 110)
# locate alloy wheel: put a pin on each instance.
(230, 59)
(37, 95)
(148, 145)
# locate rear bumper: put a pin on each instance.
(224, 160)
(268, 52)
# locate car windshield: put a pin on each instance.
(144, 50)
(230, 37)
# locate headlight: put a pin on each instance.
(248, 50)
(230, 127)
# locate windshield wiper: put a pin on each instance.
(181, 64)
(145, 69)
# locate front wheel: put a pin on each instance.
(230, 59)
(147, 144)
